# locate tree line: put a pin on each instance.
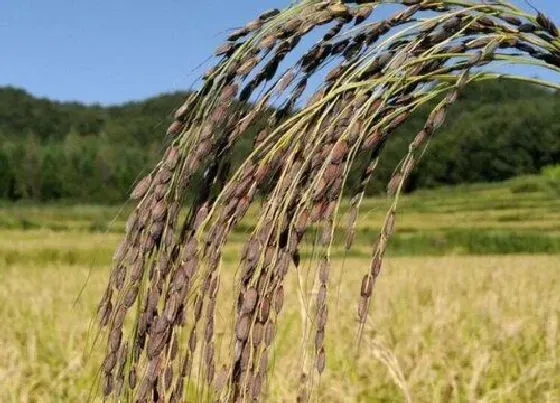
(90, 153)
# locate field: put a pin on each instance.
(453, 319)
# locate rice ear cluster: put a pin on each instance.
(166, 274)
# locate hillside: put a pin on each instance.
(132, 123)
(65, 150)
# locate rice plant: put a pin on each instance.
(355, 79)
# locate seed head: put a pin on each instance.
(319, 339)
(367, 286)
(249, 300)
(321, 360)
(264, 310)
(269, 333)
(110, 362)
(279, 299)
(141, 188)
(258, 333)
(242, 328)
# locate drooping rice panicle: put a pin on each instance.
(343, 98)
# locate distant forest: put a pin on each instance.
(68, 151)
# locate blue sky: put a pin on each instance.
(111, 51)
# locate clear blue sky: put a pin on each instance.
(110, 51)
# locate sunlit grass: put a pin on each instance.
(458, 329)
(451, 328)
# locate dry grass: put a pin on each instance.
(454, 328)
(443, 329)
(447, 329)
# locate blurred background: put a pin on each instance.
(84, 83)
(468, 304)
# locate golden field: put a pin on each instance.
(440, 329)
(454, 317)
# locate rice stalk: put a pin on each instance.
(166, 273)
